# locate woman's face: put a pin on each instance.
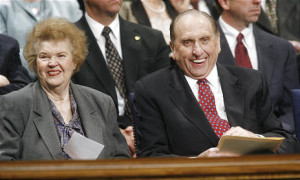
(55, 65)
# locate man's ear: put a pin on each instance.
(224, 4)
(171, 46)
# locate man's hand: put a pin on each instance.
(296, 45)
(238, 131)
(180, 5)
(128, 134)
(214, 152)
(3, 81)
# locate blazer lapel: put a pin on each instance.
(139, 13)
(131, 43)
(88, 115)
(265, 54)
(189, 106)
(28, 10)
(43, 121)
(233, 95)
(96, 60)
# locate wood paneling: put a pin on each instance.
(246, 167)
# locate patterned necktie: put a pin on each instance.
(272, 15)
(241, 53)
(115, 65)
(207, 103)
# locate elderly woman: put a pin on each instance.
(54, 118)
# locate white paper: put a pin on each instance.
(80, 147)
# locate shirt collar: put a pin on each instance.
(212, 78)
(97, 28)
(233, 33)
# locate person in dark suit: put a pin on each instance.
(142, 51)
(173, 121)
(287, 24)
(53, 117)
(12, 74)
(273, 56)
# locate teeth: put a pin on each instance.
(53, 72)
(199, 61)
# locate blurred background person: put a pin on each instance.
(282, 18)
(17, 17)
(208, 6)
(13, 75)
(157, 14)
(120, 53)
(244, 44)
(38, 121)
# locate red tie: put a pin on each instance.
(241, 53)
(207, 103)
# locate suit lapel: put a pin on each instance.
(96, 61)
(189, 106)
(225, 56)
(43, 121)
(88, 115)
(131, 43)
(265, 54)
(233, 95)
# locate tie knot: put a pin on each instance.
(106, 31)
(240, 37)
(202, 81)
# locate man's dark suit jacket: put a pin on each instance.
(277, 61)
(288, 14)
(173, 123)
(144, 51)
(10, 65)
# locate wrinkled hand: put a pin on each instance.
(3, 81)
(214, 152)
(238, 131)
(296, 45)
(180, 5)
(128, 134)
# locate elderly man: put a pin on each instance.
(177, 120)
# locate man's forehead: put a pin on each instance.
(190, 28)
(192, 19)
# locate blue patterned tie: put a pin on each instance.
(207, 103)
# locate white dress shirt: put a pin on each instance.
(248, 40)
(115, 37)
(215, 86)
